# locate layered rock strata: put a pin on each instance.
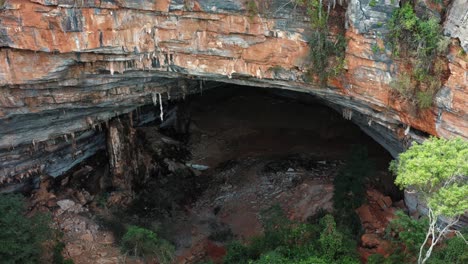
(66, 67)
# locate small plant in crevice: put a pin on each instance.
(417, 41)
(252, 9)
(327, 52)
(376, 49)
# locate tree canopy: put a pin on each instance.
(436, 169)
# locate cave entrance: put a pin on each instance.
(251, 149)
(222, 157)
(234, 122)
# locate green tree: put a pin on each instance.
(437, 170)
(21, 237)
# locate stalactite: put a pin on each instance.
(161, 107)
(347, 114)
(111, 68)
(407, 130)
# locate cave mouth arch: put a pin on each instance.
(218, 157)
(249, 148)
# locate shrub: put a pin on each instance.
(407, 232)
(406, 235)
(403, 86)
(455, 251)
(425, 99)
(21, 238)
(144, 243)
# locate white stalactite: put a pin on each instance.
(111, 68)
(161, 107)
(154, 98)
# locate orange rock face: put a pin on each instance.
(375, 216)
(98, 55)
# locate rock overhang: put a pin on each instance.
(66, 69)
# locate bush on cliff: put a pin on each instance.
(21, 238)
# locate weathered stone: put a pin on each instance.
(65, 204)
(66, 69)
(456, 24)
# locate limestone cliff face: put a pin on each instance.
(66, 67)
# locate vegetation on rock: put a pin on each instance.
(419, 40)
(326, 52)
(252, 9)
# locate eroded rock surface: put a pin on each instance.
(67, 67)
